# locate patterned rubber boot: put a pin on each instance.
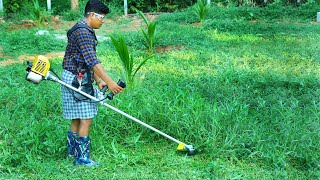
(71, 144)
(82, 152)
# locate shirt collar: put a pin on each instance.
(85, 23)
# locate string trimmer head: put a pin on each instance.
(188, 148)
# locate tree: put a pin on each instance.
(74, 4)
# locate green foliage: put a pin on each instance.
(116, 8)
(268, 14)
(72, 15)
(150, 36)
(158, 5)
(59, 7)
(13, 6)
(38, 13)
(183, 16)
(127, 60)
(201, 10)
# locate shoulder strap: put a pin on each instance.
(80, 25)
(75, 27)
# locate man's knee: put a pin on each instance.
(85, 122)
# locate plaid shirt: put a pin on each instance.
(81, 49)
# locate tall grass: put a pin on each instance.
(249, 98)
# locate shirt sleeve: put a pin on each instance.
(85, 42)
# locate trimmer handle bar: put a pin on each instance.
(110, 95)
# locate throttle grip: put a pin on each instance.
(104, 89)
(121, 84)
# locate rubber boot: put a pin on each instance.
(71, 143)
(82, 152)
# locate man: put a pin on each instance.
(80, 59)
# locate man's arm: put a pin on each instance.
(86, 46)
(101, 73)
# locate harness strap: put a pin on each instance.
(70, 31)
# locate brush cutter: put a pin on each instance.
(40, 70)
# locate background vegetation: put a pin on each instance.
(62, 7)
(243, 87)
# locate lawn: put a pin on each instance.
(242, 88)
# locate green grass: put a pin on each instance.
(246, 93)
(25, 41)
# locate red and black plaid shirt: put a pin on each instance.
(81, 49)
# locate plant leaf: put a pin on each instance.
(142, 63)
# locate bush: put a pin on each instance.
(13, 6)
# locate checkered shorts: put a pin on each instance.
(73, 109)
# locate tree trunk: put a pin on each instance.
(1, 6)
(48, 5)
(125, 6)
(74, 4)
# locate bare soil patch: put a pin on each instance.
(134, 25)
(1, 51)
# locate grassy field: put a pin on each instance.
(243, 90)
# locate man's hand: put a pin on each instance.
(101, 84)
(100, 72)
(114, 87)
